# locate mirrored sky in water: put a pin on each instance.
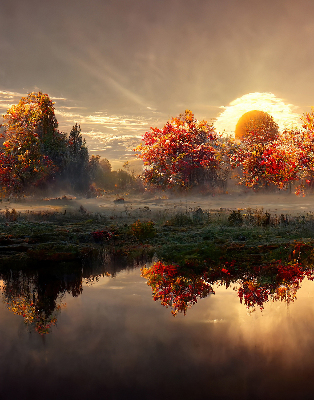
(115, 341)
(119, 67)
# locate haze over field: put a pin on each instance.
(119, 67)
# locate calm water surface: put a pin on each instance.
(112, 341)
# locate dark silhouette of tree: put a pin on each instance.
(77, 171)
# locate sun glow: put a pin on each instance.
(281, 112)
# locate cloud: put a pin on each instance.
(112, 146)
(8, 99)
(110, 135)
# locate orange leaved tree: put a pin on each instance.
(265, 157)
(181, 154)
(33, 147)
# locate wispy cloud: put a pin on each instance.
(8, 99)
(103, 120)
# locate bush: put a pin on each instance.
(143, 230)
(235, 218)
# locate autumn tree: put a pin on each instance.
(34, 152)
(303, 141)
(265, 158)
(33, 146)
(181, 154)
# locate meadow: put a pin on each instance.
(171, 229)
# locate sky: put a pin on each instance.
(118, 67)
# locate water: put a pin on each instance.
(112, 341)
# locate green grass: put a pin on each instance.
(176, 237)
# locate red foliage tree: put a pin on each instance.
(303, 141)
(181, 154)
(32, 144)
(265, 157)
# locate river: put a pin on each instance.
(105, 338)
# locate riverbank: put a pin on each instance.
(175, 230)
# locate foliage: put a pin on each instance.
(106, 179)
(266, 159)
(77, 167)
(181, 154)
(34, 152)
(303, 143)
(181, 287)
(102, 235)
(175, 289)
(143, 230)
(235, 218)
(32, 145)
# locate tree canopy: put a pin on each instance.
(181, 154)
(32, 143)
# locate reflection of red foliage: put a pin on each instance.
(181, 288)
(275, 281)
(174, 289)
(252, 294)
(99, 236)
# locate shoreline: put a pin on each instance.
(72, 229)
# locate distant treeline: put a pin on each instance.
(185, 154)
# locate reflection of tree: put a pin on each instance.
(275, 281)
(37, 294)
(179, 291)
(181, 287)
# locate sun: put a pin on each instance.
(281, 112)
(256, 119)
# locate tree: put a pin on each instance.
(301, 143)
(76, 168)
(33, 147)
(6, 179)
(34, 151)
(181, 154)
(265, 157)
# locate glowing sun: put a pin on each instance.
(281, 112)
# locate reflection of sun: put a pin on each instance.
(282, 113)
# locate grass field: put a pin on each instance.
(171, 229)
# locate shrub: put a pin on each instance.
(235, 218)
(143, 230)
